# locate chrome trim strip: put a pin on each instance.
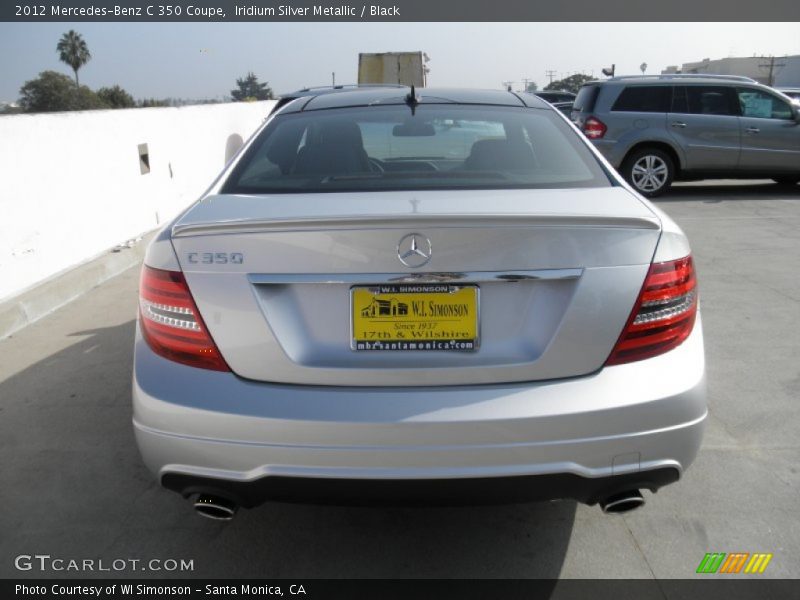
(379, 278)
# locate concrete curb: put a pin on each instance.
(53, 293)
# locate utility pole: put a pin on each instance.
(771, 64)
(550, 74)
(333, 79)
(525, 82)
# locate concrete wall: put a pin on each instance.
(72, 185)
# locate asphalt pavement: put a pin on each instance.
(72, 484)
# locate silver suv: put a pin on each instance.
(658, 129)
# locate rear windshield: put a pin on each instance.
(441, 146)
(585, 100)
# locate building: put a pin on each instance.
(779, 71)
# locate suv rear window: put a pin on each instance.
(644, 98)
(443, 146)
(586, 98)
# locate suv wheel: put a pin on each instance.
(787, 180)
(649, 171)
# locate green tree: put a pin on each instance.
(532, 87)
(570, 84)
(86, 99)
(72, 50)
(248, 88)
(10, 110)
(153, 103)
(53, 91)
(116, 97)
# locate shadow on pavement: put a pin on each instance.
(74, 487)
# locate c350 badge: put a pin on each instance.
(215, 258)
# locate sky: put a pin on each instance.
(203, 60)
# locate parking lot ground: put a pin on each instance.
(72, 484)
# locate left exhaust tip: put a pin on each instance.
(622, 503)
(214, 507)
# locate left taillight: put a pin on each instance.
(171, 323)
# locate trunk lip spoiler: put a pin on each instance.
(241, 226)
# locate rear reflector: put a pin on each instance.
(663, 315)
(171, 324)
(594, 129)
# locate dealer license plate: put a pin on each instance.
(415, 317)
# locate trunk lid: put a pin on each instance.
(557, 273)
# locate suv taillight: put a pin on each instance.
(594, 128)
(664, 313)
(171, 323)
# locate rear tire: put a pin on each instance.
(649, 170)
(787, 180)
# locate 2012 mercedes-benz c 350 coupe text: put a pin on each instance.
(404, 297)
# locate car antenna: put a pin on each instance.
(412, 100)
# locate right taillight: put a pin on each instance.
(594, 128)
(663, 315)
(170, 322)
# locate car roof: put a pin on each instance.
(552, 92)
(325, 98)
(333, 89)
(677, 78)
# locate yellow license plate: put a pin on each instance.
(415, 317)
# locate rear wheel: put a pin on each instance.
(649, 170)
(787, 180)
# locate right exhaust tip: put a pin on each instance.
(622, 503)
(214, 507)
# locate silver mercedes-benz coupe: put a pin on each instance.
(418, 296)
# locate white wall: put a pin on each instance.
(71, 187)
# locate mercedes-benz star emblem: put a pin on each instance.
(414, 250)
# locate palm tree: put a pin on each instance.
(72, 49)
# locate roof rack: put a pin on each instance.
(685, 76)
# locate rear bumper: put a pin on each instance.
(612, 151)
(636, 425)
(426, 492)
